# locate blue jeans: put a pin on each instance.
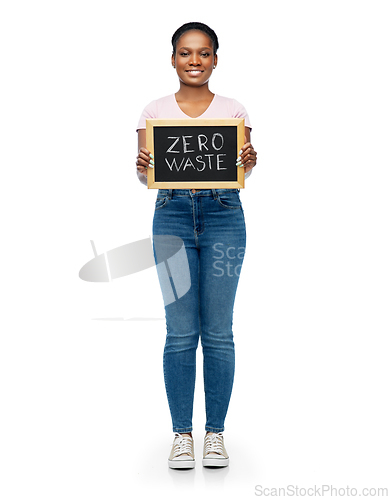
(211, 225)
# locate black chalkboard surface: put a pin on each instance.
(195, 153)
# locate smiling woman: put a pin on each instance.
(194, 61)
(211, 224)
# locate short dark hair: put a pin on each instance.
(195, 26)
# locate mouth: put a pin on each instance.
(194, 72)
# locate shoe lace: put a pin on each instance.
(214, 443)
(182, 445)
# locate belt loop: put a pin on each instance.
(170, 195)
(214, 192)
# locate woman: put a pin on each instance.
(211, 224)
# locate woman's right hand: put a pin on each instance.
(144, 160)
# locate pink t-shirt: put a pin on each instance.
(167, 107)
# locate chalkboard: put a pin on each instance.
(195, 153)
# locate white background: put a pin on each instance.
(84, 411)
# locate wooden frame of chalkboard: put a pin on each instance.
(195, 153)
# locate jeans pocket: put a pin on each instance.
(161, 202)
(229, 199)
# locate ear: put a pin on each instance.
(215, 60)
(173, 61)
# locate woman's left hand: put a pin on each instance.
(247, 157)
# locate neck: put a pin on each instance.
(187, 93)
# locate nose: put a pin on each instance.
(195, 60)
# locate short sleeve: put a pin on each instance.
(150, 111)
(239, 111)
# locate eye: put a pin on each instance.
(184, 54)
(205, 54)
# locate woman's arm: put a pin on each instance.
(248, 158)
(143, 160)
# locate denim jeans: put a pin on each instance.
(211, 225)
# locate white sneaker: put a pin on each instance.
(214, 454)
(182, 454)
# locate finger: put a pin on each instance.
(239, 160)
(247, 149)
(246, 146)
(141, 169)
(144, 159)
(145, 154)
(249, 160)
(141, 162)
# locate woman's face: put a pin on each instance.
(194, 59)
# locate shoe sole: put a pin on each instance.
(216, 462)
(182, 464)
